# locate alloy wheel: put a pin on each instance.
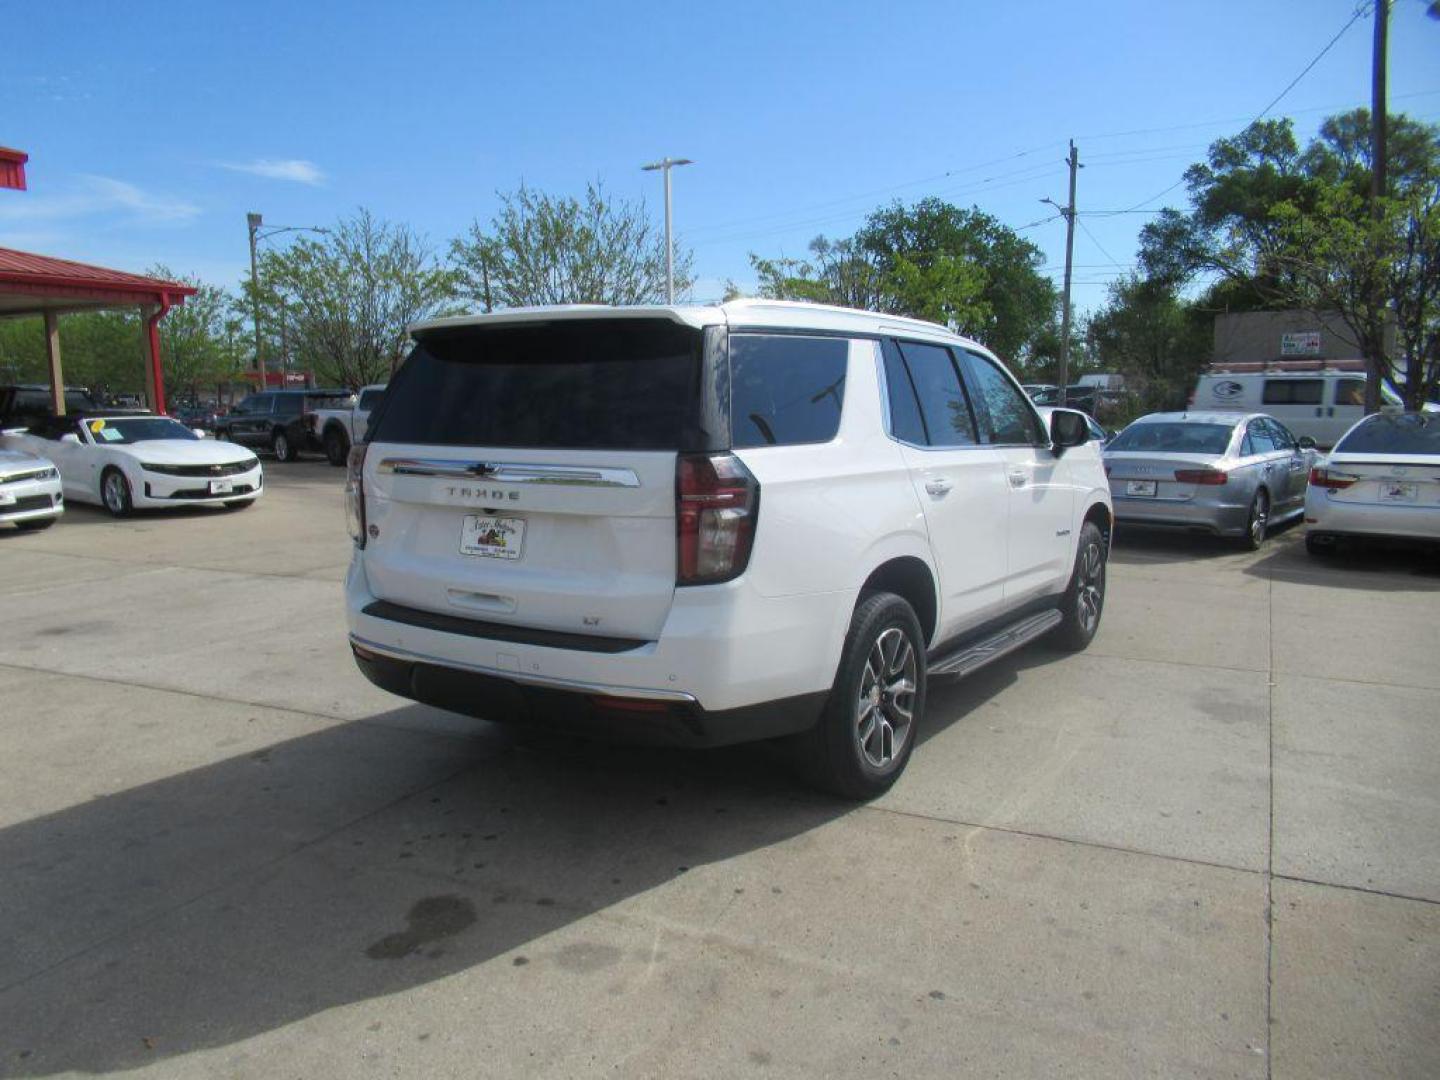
(1259, 518)
(114, 493)
(1090, 593)
(885, 709)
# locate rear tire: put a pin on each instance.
(1258, 523)
(115, 493)
(1084, 599)
(866, 733)
(281, 446)
(337, 447)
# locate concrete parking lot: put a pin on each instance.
(1209, 846)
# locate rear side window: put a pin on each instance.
(905, 420)
(1293, 391)
(944, 405)
(370, 399)
(1350, 392)
(582, 384)
(1005, 415)
(289, 405)
(1261, 439)
(785, 390)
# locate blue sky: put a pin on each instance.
(153, 128)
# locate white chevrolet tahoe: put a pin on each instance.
(706, 525)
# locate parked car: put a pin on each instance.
(1046, 390)
(1321, 404)
(30, 493)
(276, 420)
(717, 524)
(1381, 480)
(1098, 434)
(133, 461)
(1224, 473)
(342, 428)
(1084, 398)
(22, 404)
(200, 417)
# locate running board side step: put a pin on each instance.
(976, 655)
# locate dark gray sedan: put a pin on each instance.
(1231, 474)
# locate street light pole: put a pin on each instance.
(1068, 213)
(665, 165)
(253, 222)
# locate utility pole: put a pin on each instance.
(1068, 213)
(253, 222)
(665, 165)
(1373, 367)
(485, 277)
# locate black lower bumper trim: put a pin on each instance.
(489, 697)
(493, 631)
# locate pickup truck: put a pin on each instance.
(339, 429)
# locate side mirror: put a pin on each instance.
(1307, 443)
(70, 437)
(1067, 428)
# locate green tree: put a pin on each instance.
(931, 260)
(1157, 340)
(1274, 225)
(348, 296)
(101, 350)
(543, 249)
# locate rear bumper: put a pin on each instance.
(1325, 516)
(674, 721)
(1212, 514)
(721, 649)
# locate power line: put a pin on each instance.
(1360, 12)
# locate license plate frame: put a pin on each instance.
(489, 537)
(222, 487)
(1394, 491)
(1141, 489)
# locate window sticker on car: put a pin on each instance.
(109, 434)
(96, 425)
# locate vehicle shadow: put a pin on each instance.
(208, 907)
(1374, 566)
(1137, 545)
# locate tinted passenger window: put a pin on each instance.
(1293, 391)
(289, 405)
(905, 422)
(785, 390)
(1005, 416)
(1350, 392)
(944, 405)
(1260, 438)
(1281, 435)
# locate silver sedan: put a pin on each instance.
(1231, 474)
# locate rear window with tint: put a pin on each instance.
(1175, 438)
(785, 390)
(581, 384)
(1293, 391)
(1412, 433)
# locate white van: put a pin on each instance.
(1320, 403)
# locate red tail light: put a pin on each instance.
(1329, 478)
(355, 493)
(716, 503)
(1204, 477)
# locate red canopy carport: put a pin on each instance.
(50, 287)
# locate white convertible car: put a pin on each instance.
(130, 461)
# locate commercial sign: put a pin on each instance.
(1302, 343)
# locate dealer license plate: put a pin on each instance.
(492, 537)
(1393, 492)
(1139, 487)
(221, 487)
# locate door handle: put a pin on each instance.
(937, 487)
(1018, 478)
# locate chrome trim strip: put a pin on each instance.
(511, 473)
(528, 679)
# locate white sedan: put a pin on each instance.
(135, 461)
(1381, 480)
(29, 490)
